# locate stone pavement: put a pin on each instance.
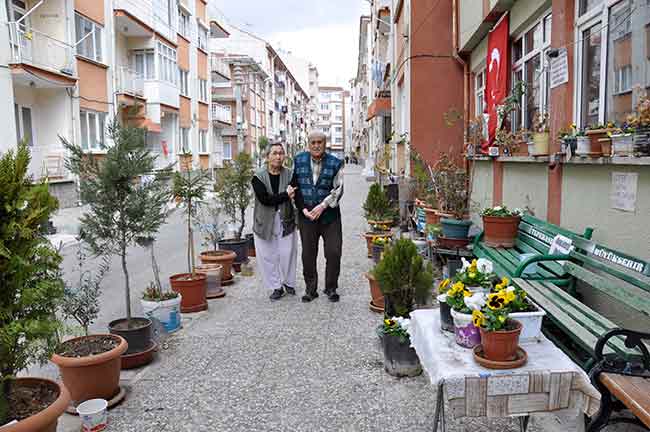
(248, 364)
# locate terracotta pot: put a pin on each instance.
(500, 231)
(606, 146)
(46, 420)
(194, 291)
(501, 345)
(375, 291)
(432, 216)
(92, 377)
(370, 236)
(222, 257)
(522, 149)
(594, 136)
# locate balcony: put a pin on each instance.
(221, 113)
(221, 67)
(129, 82)
(34, 49)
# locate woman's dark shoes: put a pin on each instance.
(277, 294)
(289, 290)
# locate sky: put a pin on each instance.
(325, 32)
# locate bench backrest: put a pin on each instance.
(539, 234)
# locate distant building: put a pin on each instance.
(331, 118)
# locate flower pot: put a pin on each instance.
(531, 322)
(168, 312)
(136, 331)
(239, 247)
(606, 146)
(467, 335)
(251, 245)
(583, 145)
(446, 320)
(500, 231)
(431, 216)
(185, 162)
(501, 345)
(387, 222)
(370, 236)
(540, 141)
(377, 251)
(642, 141)
(375, 291)
(455, 228)
(400, 360)
(93, 415)
(522, 149)
(47, 419)
(213, 272)
(568, 145)
(95, 376)
(595, 147)
(623, 145)
(192, 289)
(224, 258)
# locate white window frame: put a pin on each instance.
(203, 141)
(184, 28)
(202, 35)
(20, 124)
(149, 71)
(226, 155)
(98, 144)
(96, 40)
(521, 66)
(203, 90)
(184, 140)
(183, 82)
(167, 67)
(479, 92)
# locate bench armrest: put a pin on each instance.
(633, 339)
(539, 258)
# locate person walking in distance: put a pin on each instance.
(274, 225)
(318, 177)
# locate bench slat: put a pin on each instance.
(614, 257)
(611, 288)
(634, 392)
(551, 266)
(513, 256)
(532, 220)
(610, 269)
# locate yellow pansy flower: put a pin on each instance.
(467, 293)
(478, 318)
(505, 281)
(444, 284)
(495, 301)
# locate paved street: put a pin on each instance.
(251, 365)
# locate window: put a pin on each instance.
(338, 129)
(203, 90)
(184, 140)
(92, 130)
(203, 141)
(144, 63)
(91, 46)
(324, 107)
(183, 24)
(227, 150)
(479, 90)
(167, 68)
(339, 118)
(339, 140)
(23, 117)
(203, 36)
(530, 65)
(183, 76)
(588, 5)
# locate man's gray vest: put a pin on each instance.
(263, 216)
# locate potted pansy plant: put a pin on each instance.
(499, 332)
(477, 275)
(500, 226)
(522, 309)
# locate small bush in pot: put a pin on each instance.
(500, 226)
(31, 292)
(451, 187)
(212, 231)
(377, 207)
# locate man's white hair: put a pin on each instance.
(313, 135)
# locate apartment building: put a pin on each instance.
(331, 118)
(313, 97)
(360, 95)
(73, 67)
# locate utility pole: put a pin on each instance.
(239, 106)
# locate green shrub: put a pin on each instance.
(377, 206)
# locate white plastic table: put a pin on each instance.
(548, 382)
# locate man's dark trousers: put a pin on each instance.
(310, 233)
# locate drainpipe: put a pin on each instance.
(463, 63)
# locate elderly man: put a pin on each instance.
(318, 177)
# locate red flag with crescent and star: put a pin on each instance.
(498, 72)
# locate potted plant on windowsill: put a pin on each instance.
(405, 279)
(234, 195)
(451, 187)
(540, 134)
(89, 365)
(31, 292)
(189, 188)
(583, 143)
(125, 201)
(640, 121)
(500, 226)
(622, 140)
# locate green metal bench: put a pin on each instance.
(534, 236)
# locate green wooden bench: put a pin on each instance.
(575, 327)
(534, 236)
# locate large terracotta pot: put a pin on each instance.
(501, 345)
(46, 420)
(500, 231)
(222, 257)
(193, 291)
(95, 376)
(432, 216)
(596, 148)
(375, 291)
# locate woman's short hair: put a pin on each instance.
(273, 144)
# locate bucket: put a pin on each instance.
(213, 272)
(167, 312)
(531, 268)
(94, 417)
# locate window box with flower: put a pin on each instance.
(500, 226)
(622, 140)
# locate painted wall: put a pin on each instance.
(202, 64)
(185, 117)
(91, 9)
(482, 189)
(183, 53)
(586, 202)
(523, 13)
(526, 185)
(470, 18)
(8, 130)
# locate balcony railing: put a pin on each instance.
(129, 82)
(219, 66)
(221, 113)
(38, 49)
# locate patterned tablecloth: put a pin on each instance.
(549, 381)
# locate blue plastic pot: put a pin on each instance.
(455, 229)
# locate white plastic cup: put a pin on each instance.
(531, 268)
(94, 417)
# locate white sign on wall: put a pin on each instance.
(624, 189)
(559, 68)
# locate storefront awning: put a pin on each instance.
(379, 107)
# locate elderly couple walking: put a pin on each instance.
(311, 191)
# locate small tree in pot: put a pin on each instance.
(451, 185)
(189, 189)
(125, 201)
(234, 193)
(31, 291)
(215, 263)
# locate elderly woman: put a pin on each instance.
(274, 225)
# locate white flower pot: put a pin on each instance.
(623, 145)
(583, 146)
(168, 312)
(531, 322)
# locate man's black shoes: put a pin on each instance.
(334, 297)
(289, 290)
(309, 297)
(277, 294)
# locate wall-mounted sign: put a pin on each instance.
(559, 68)
(623, 193)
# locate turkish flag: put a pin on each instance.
(498, 73)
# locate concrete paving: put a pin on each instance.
(249, 364)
